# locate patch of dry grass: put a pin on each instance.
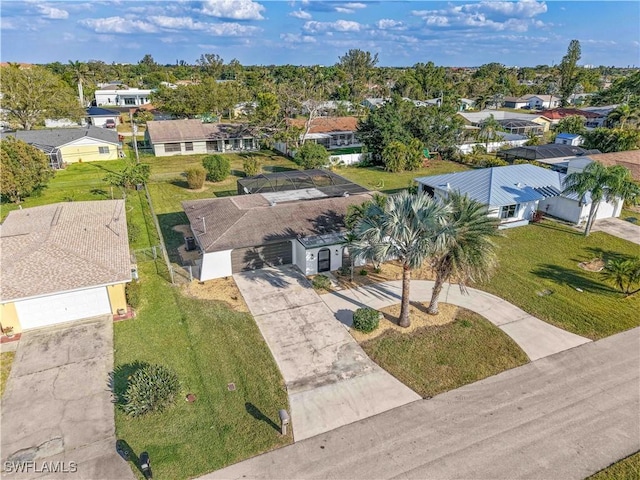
(419, 319)
(6, 360)
(220, 289)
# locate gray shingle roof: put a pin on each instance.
(56, 137)
(63, 247)
(250, 220)
(164, 131)
(499, 186)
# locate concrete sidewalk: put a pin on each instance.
(538, 339)
(562, 417)
(330, 380)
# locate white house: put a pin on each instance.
(246, 232)
(515, 192)
(572, 139)
(98, 117)
(130, 97)
(533, 102)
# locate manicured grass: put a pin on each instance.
(630, 216)
(626, 469)
(6, 360)
(539, 273)
(375, 178)
(208, 346)
(433, 360)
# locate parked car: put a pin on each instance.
(110, 123)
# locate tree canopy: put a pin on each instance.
(24, 169)
(569, 71)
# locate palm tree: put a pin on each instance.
(624, 273)
(79, 74)
(622, 114)
(601, 183)
(467, 252)
(408, 228)
(489, 129)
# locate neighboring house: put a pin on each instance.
(63, 123)
(98, 116)
(550, 153)
(71, 145)
(629, 159)
(533, 102)
(130, 97)
(465, 104)
(63, 262)
(243, 109)
(331, 132)
(572, 139)
(558, 114)
(302, 227)
(374, 102)
(475, 119)
(188, 137)
(513, 193)
(519, 126)
(327, 108)
(602, 114)
(502, 139)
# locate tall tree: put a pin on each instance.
(624, 113)
(24, 169)
(489, 129)
(569, 71)
(612, 139)
(408, 228)
(571, 124)
(79, 73)
(467, 252)
(211, 64)
(357, 65)
(29, 95)
(601, 183)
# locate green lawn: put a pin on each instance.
(539, 273)
(375, 178)
(432, 360)
(625, 469)
(208, 346)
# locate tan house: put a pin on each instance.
(189, 137)
(63, 262)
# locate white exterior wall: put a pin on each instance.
(349, 158)
(63, 122)
(524, 212)
(307, 260)
(216, 265)
(100, 121)
(564, 208)
(199, 147)
(117, 97)
(467, 148)
(299, 256)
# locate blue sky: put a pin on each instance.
(304, 32)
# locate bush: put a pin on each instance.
(363, 272)
(132, 293)
(366, 319)
(251, 166)
(320, 282)
(218, 167)
(195, 177)
(312, 155)
(150, 389)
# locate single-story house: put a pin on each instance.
(331, 132)
(63, 262)
(374, 102)
(602, 113)
(501, 140)
(550, 153)
(247, 232)
(71, 145)
(513, 193)
(533, 102)
(475, 119)
(572, 139)
(558, 114)
(188, 137)
(326, 108)
(98, 116)
(126, 97)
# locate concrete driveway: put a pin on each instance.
(330, 380)
(57, 406)
(618, 228)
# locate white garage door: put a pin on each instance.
(64, 307)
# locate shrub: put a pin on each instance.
(311, 155)
(363, 272)
(132, 293)
(366, 319)
(195, 177)
(150, 389)
(251, 166)
(218, 167)
(320, 282)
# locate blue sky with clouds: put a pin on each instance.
(307, 32)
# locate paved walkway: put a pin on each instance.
(561, 417)
(538, 339)
(57, 404)
(330, 380)
(618, 228)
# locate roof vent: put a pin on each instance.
(272, 203)
(448, 186)
(519, 185)
(345, 194)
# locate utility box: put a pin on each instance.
(189, 243)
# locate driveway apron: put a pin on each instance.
(618, 228)
(331, 382)
(57, 405)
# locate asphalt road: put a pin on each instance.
(565, 416)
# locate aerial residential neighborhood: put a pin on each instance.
(298, 240)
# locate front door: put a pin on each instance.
(324, 260)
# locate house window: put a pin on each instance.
(188, 146)
(103, 150)
(129, 101)
(212, 146)
(508, 211)
(171, 147)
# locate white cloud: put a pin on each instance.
(52, 13)
(6, 24)
(235, 9)
(297, 38)
(521, 9)
(389, 24)
(300, 14)
(118, 25)
(337, 26)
